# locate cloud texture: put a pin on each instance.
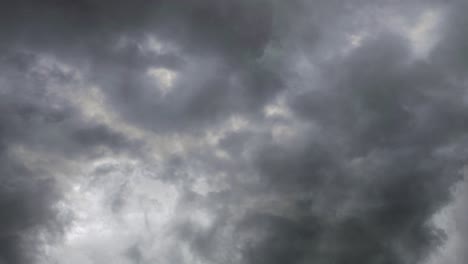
(237, 132)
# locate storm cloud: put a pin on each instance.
(238, 132)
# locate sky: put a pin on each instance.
(233, 132)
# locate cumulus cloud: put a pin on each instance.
(232, 131)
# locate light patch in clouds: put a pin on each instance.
(424, 35)
(235, 123)
(165, 79)
(452, 220)
(152, 44)
(277, 109)
(98, 232)
(47, 63)
(421, 28)
(283, 134)
(356, 39)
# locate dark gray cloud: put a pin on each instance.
(365, 192)
(26, 206)
(229, 131)
(219, 49)
(35, 119)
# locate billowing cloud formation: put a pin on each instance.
(232, 131)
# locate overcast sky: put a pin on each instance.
(233, 132)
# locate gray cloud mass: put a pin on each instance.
(237, 132)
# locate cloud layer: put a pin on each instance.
(238, 132)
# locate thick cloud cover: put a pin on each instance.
(219, 131)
